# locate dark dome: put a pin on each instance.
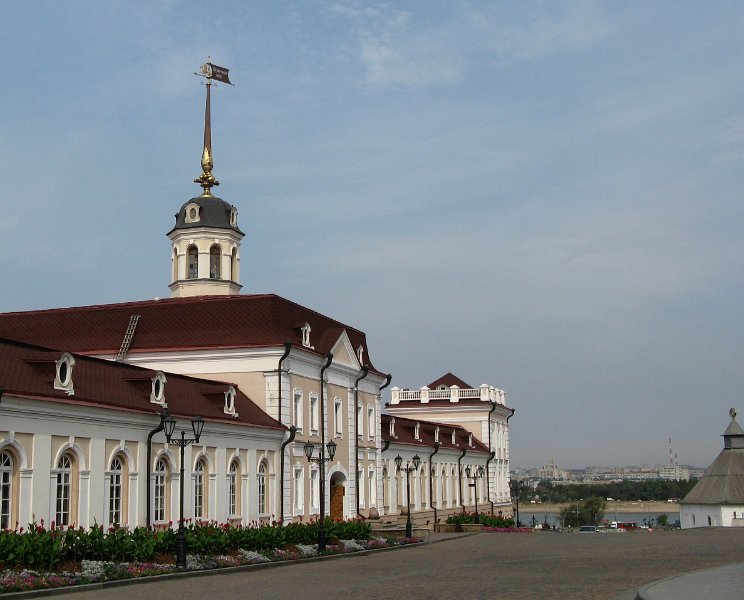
(212, 212)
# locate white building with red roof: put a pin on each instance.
(482, 411)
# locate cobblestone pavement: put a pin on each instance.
(531, 566)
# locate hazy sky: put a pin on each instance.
(542, 196)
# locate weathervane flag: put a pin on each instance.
(215, 72)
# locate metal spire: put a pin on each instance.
(206, 180)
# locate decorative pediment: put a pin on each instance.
(344, 353)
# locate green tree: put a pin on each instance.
(589, 511)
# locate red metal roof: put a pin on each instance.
(174, 324)
(448, 380)
(405, 434)
(29, 371)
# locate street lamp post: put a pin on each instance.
(197, 425)
(515, 485)
(477, 474)
(408, 469)
(309, 447)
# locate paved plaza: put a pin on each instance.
(489, 565)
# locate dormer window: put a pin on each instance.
(360, 354)
(234, 216)
(454, 439)
(63, 376)
(436, 434)
(470, 439)
(230, 401)
(392, 427)
(193, 213)
(442, 387)
(157, 393)
(306, 329)
(417, 431)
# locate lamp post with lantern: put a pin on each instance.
(330, 447)
(476, 475)
(408, 469)
(169, 425)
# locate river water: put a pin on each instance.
(634, 517)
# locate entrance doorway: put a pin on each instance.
(338, 492)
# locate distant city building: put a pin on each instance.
(551, 472)
(717, 500)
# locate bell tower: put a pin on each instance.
(205, 242)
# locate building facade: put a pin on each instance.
(481, 411)
(717, 500)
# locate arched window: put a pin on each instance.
(443, 485)
(234, 265)
(65, 509)
(263, 504)
(233, 489)
(193, 264)
(385, 488)
(160, 491)
(116, 491)
(422, 488)
(360, 485)
(372, 486)
(174, 265)
(200, 485)
(6, 489)
(215, 256)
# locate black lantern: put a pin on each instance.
(407, 469)
(169, 426)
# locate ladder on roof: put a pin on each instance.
(121, 355)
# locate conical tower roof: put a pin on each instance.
(723, 482)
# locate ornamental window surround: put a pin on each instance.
(313, 413)
(338, 417)
(297, 402)
(229, 408)
(63, 376)
(371, 423)
(157, 391)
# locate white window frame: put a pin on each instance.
(371, 422)
(6, 489)
(360, 422)
(233, 481)
(314, 489)
(262, 490)
(299, 489)
(372, 476)
(116, 490)
(160, 491)
(297, 407)
(200, 489)
(63, 494)
(314, 413)
(338, 421)
(360, 485)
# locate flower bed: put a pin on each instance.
(508, 529)
(40, 558)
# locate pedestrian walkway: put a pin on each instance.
(720, 583)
